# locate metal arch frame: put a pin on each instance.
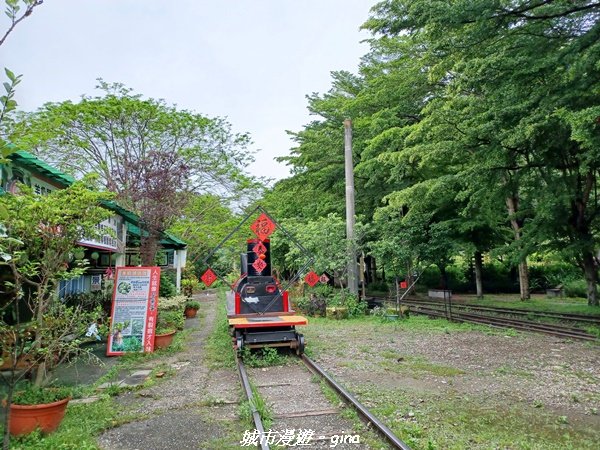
(287, 235)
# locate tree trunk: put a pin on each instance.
(443, 276)
(374, 269)
(512, 204)
(478, 272)
(524, 281)
(149, 248)
(591, 277)
(41, 306)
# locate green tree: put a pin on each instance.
(515, 75)
(204, 222)
(38, 240)
(144, 150)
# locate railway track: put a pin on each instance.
(577, 318)
(489, 316)
(315, 411)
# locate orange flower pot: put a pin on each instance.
(163, 340)
(190, 313)
(26, 418)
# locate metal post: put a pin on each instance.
(352, 269)
(363, 280)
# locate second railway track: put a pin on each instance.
(500, 317)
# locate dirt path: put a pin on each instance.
(194, 409)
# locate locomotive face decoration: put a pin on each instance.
(258, 308)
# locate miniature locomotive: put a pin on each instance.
(258, 310)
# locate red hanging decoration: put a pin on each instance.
(311, 278)
(262, 227)
(324, 279)
(208, 277)
(403, 285)
(259, 249)
(259, 265)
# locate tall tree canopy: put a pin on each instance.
(146, 151)
(472, 119)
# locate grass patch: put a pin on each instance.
(507, 370)
(458, 422)
(219, 348)
(262, 407)
(367, 436)
(79, 429)
(414, 365)
(264, 357)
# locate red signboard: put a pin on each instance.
(263, 227)
(311, 278)
(208, 277)
(134, 307)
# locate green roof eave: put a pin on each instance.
(127, 215)
(28, 160)
(167, 241)
(175, 239)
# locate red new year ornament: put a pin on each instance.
(259, 249)
(263, 227)
(403, 285)
(208, 277)
(259, 265)
(311, 278)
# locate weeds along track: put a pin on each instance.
(290, 398)
(505, 318)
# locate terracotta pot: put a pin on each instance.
(163, 340)
(190, 313)
(26, 418)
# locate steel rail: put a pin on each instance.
(514, 311)
(508, 323)
(383, 430)
(467, 313)
(533, 324)
(255, 415)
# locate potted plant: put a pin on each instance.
(163, 337)
(169, 320)
(39, 239)
(165, 329)
(35, 407)
(191, 308)
(189, 285)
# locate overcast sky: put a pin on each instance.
(252, 61)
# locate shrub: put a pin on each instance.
(378, 286)
(189, 285)
(167, 286)
(312, 305)
(193, 304)
(176, 302)
(169, 320)
(576, 288)
(34, 395)
(356, 307)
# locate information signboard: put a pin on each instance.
(134, 307)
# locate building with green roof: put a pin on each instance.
(118, 247)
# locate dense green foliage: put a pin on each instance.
(476, 131)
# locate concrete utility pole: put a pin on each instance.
(352, 269)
